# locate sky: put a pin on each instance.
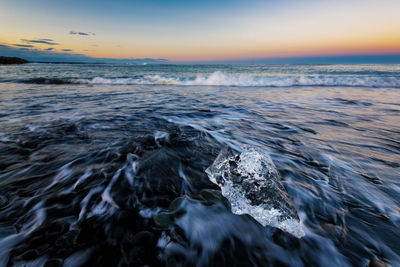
(208, 30)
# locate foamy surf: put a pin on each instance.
(219, 78)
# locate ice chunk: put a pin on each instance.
(253, 186)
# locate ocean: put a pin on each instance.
(199, 165)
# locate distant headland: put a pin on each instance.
(12, 60)
(5, 60)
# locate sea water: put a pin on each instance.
(107, 165)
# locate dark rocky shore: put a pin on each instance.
(12, 60)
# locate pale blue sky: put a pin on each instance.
(203, 30)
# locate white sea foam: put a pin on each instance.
(149, 212)
(163, 240)
(219, 78)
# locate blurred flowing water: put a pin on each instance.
(105, 165)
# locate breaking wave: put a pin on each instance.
(219, 78)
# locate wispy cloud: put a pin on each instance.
(67, 50)
(49, 49)
(22, 45)
(81, 33)
(40, 41)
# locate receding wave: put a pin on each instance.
(219, 78)
(41, 80)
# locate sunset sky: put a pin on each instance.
(205, 30)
